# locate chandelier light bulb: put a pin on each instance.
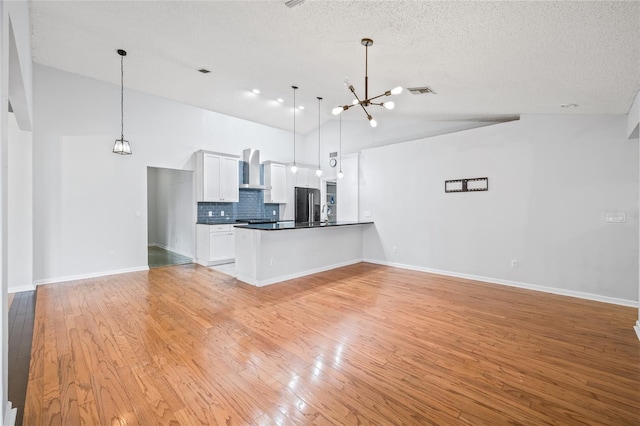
(294, 169)
(389, 105)
(337, 110)
(340, 174)
(319, 172)
(373, 122)
(396, 90)
(355, 102)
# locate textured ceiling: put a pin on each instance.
(486, 60)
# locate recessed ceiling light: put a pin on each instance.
(569, 106)
(280, 100)
(204, 70)
(256, 91)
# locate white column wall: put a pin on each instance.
(551, 180)
(20, 208)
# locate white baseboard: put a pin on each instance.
(21, 288)
(91, 275)
(637, 328)
(262, 283)
(171, 249)
(10, 415)
(552, 290)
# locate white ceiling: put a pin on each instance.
(486, 60)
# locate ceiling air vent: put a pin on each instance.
(204, 71)
(292, 3)
(424, 90)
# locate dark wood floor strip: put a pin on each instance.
(364, 344)
(21, 320)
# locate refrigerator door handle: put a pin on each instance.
(310, 207)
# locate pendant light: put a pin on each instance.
(319, 171)
(294, 167)
(121, 145)
(340, 174)
(367, 101)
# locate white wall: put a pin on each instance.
(20, 207)
(551, 179)
(172, 213)
(90, 205)
(347, 190)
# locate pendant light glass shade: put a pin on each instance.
(122, 146)
(294, 167)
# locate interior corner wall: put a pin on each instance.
(552, 179)
(90, 205)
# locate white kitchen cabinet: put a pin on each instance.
(306, 178)
(217, 177)
(275, 178)
(215, 244)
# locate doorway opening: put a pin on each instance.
(170, 217)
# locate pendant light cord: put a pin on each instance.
(340, 140)
(294, 125)
(122, 98)
(319, 100)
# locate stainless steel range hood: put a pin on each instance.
(251, 170)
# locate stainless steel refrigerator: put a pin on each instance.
(307, 205)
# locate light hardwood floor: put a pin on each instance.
(364, 344)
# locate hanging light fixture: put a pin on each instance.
(319, 171)
(367, 101)
(122, 146)
(294, 167)
(340, 174)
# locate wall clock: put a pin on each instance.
(333, 162)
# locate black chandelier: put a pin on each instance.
(367, 101)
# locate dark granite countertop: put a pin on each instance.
(282, 226)
(220, 222)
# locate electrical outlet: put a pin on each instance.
(274, 212)
(394, 249)
(210, 213)
(514, 263)
(221, 212)
(272, 261)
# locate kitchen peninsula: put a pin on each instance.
(273, 252)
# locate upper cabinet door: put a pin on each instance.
(217, 178)
(211, 177)
(230, 180)
(275, 177)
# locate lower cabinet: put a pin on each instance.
(215, 244)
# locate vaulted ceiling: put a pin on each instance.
(486, 60)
